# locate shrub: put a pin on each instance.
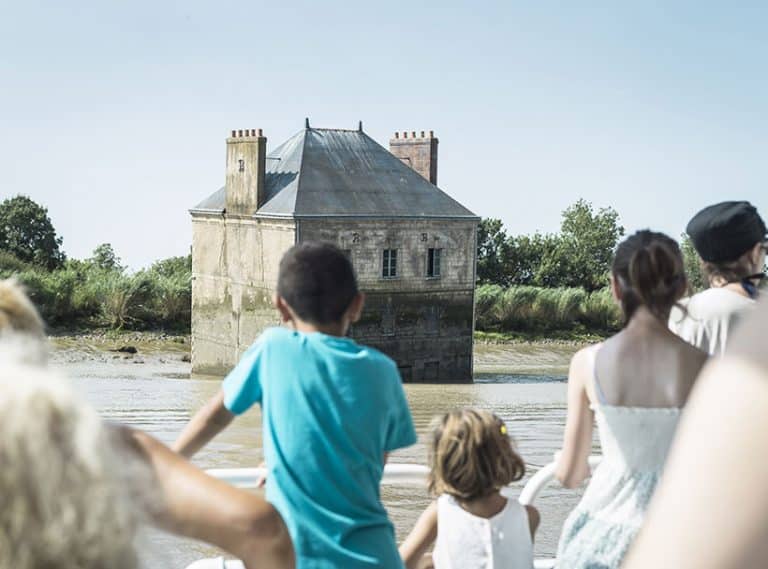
(528, 308)
(124, 299)
(10, 264)
(172, 301)
(600, 311)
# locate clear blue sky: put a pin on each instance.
(113, 114)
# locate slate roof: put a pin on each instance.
(331, 172)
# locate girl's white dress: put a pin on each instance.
(466, 541)
(635, 441)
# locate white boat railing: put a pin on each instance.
(410, 475)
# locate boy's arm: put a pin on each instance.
(422, 536)
(206, 424)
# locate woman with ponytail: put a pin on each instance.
(635, 385)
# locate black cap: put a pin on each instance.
(725, 231)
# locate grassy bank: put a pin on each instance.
(89, 295)
(523, 313)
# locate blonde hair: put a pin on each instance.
(471, 455)
(65, 501)
(22, 331)
(17, 313)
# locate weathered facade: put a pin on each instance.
(413, 247)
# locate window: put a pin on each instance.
(433, 262)
(389, 267)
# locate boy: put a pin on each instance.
(331, 409)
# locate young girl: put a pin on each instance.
(471, 459)
(635, 384)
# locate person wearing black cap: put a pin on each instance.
(730, 238)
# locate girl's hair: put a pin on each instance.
(649, 271)
(471, 455)
(65, 498)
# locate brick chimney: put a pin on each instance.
(246, 163)
(420, 153)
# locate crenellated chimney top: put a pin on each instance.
(420, 153)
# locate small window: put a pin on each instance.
(389, 266)
(241, 165)
(433, 262)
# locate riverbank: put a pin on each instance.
(524, 354)
(154, 340)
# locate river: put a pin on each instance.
(525, 385)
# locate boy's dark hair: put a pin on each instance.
(317, 281)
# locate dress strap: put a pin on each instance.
(598, 390)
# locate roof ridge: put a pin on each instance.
(299, 177)
(336, 129)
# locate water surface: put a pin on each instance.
(523, 384)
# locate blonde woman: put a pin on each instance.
(73, 490)
(66, 499)
(472, 525)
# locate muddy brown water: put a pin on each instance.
(153, 390)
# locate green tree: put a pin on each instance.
(27, 233)
(104, 257)
(172, 266)
(582, 254)
(492, 251)
(696, 280)
(524, 256)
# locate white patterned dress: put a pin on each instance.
(635, 441)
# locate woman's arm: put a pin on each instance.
(196, 505)
(572, 466)
(709, 511)
(422, 536)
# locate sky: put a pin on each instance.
(114, 115)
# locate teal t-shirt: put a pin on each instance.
(331, 409)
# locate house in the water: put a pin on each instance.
(413, 246)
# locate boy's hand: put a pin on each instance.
(262, 480)
(206, 424)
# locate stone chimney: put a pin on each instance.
(420, 153)
(246, 163)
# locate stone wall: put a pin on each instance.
(424, 323)
(234, 273)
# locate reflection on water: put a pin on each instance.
(159, 397)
